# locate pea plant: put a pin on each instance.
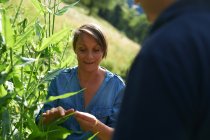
(31, 55)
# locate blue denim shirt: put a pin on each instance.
(104, 105)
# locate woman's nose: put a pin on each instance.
(90, 54)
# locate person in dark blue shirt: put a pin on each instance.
(168, 88)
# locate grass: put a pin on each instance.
(121, 49)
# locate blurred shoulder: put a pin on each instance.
(113, 77)
(67, 72)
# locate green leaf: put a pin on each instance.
(58, 132)
(62, 119)
(5, 75)
(26, 61)
(55, 38)
(90, 138)
(3, 92)
(2, 67)
(17, 83)
(38, 6)
(50, 76)
(23, 38)
(65, 8)
(7, 29)
(3, 1)
(39, 29)
(66, 95)
(36, 132)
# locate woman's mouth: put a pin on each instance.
(89, 63)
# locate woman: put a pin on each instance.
(98, 105)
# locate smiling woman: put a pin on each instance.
(98, 105)
(90, 48)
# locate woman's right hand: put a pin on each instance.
(55, 113)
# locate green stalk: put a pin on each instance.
(11, 59)
(53, 24)
(22, 110)
(29, 81)
(22, 103)
(22, 67)
(49, 30)
(45, 19)
(16, 15)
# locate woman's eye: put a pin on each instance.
(96, 50)
(82, 50)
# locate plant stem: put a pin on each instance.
(11, 59)
(22, 111)
(49, 48)
(53, 24)
(29, 81)
(22, 67)
(16, 15)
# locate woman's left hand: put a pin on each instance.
(87, 121)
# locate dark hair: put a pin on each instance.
(95, 32)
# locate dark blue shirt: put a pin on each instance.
(168, 89)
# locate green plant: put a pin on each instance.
(31, 56)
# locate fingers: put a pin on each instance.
(53, 114)
(56, 112)
(87, 121)
(69, 111)
(86, 117)
(60, 111)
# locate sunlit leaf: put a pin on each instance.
(34, 128)
(57, 132)
(3, 1)
(65, 8)
(39, 29)
(26, 61)
(38, 6)
(50, 75)
(62, 119)
(55, 38)
(66, 95)
(17, 83)
(5, 75)
(7, 29)
(93, 136)
(2, 67)
(23, 38)
(3, 92)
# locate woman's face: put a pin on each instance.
(89, 53)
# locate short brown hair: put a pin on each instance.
(95, 32)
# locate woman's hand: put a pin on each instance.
(87, 121)
(54, 113)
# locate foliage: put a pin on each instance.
(95, 6)
(119, 14)
(127, 20)
(31, 56)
